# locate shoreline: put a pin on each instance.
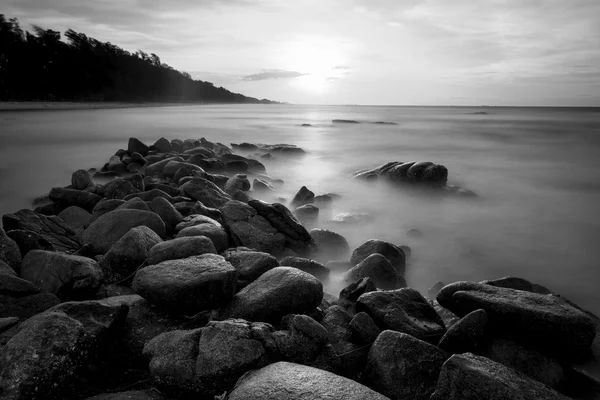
(9, 106)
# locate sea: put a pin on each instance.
(536, 173)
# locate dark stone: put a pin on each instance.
(26, 306)
(136, 146)
(330, 243)
(81, 179)
(165, 210)
(250, 264)
(379, 269)
(351, 293)
(163, 145)
(76, 218)
(364, 328)
(215, 233)
(304, 196)
(312, 267)
(72, 197)
(119, 189)
(206, 192)
(390, 251)
(180, 248)
(467, 335)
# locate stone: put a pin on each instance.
(76, 218)
(165, 210)
(312, 267)
(137, 146)
(237, 182)
(6, 269)
(67, 276)
(193, 220)
(206, 192)
(180, 248)
(188, 285)
(81, 180)
(134, 203)
(390, 251)
(105, 206)
(28, 240)
(513, 282)
(26, 306)
(277, 292)
(546, 322)
(304, 196)
(215, 233)
(364, 329)
(9, 251)
(351, 293)
(148, 394)
(13, 286)
(379, 269)
(307, 213)
(163, 145)
(128, 253)
(172, 168)
(260, 185)
(150, 195)
(72, 197)
(110, 227)
(170, 190)
(289, 381)
(467, 335)
(119, 189)
(337, 322)
(157, 168)
(401, 366)
(250, 264)
(330, 243)
(51, 228)
(470, 377)
(403, 310)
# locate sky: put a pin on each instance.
(377, 52)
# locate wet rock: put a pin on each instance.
(6, 269)
(188, 285)
(390, 251)
(307, 213)
(110, 227)
(76, 218)
(512, 282)
(215, 233)
(177, 145)
(237, 182)
(180, 248)
(163, 145)
(329, 242)
(128, 253)
(312, 267)
(105, 206)
(134, 203)
(170, 190)
(194, 220)
(467, 335)
(304, 196)
(403, 310)
(471, 377)
(136, 146)
(52, 228)
(277, 292)
(119, 189)
(288, 381)
(403, 367)
(26, 306)
(81, 180)
(9, 251)
(337, 322)
(157, 168)
(150, 195)
(364, 329)
(250, 264)
(260, 185)
(72, 197)
(67, 276)
(173, 166)
(546, 322)
(351, 293)
(379, 269)
(165, 210)
(206, 192)
(13, 286)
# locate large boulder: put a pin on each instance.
(81, 179)
(330, 243)
(29, 240)
(188, 285)
(23, 307)
(313, 267)
(379, 269)
(404, 310)
(250, 264)
(9, 251)
(206, 192)
(128, 253)
(467, 335)
(165, 210)
(288, 381)
(76, 218)
(73, 197)
(137, 146)
(547, 322)
(304, 196)
(403, 367)
(13, 286)
(390, 251)
(470, 377)
(110, 227)
(52, 228)
(215, 233)
(119, 189)
(179, 248)
(277, 292)
(67, 276)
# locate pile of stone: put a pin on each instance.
(172, 281)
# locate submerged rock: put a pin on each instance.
(393, 253)
(379, 269)
(304, 196)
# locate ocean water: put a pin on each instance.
(536, 171)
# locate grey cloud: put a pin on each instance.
(273, 74)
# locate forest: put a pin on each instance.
(40, 66)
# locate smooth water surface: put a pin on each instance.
(536, 171)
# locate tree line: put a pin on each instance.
(40, 66)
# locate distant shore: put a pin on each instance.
(72, 105)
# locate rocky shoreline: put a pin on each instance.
(165, 276)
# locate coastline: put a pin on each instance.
(73, 105)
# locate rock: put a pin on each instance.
(165, 210)
(180, 248)
(260, 185)
(52, 228)
(134, 203)
(434, 290)
(6, 269)
(194, 220)
(467, 335)
(72, 197)
(471, 377)
(173, 166)
(163, 146)
(277, 292)
(81, 180)
(26, 306)
(128, 253)
(288, 381)
(537, 366)
(337, 322)
(119, 189)
(390, 251)
(546, 322)
(157, 168)
(105, 206)
(150, 195)
(110, 227)
(13, 286)
(403, 310)
(170, 190)
(512, 282)
(177, 145)
(307, 213)
(188, 285)
(364, 328)
(136, 146)
(67, 276)
(206, 192)
(76, 218)
(312, 267)
(379, 269)
(351, 293)
(215, 233)
(329, 242)
(148, 394)
(304, 196)
(237, 182)
(403, 367)
(250, 264)
(9, 251)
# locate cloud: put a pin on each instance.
(273, 74)
(342, 67)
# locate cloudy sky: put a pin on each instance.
(407, 52)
